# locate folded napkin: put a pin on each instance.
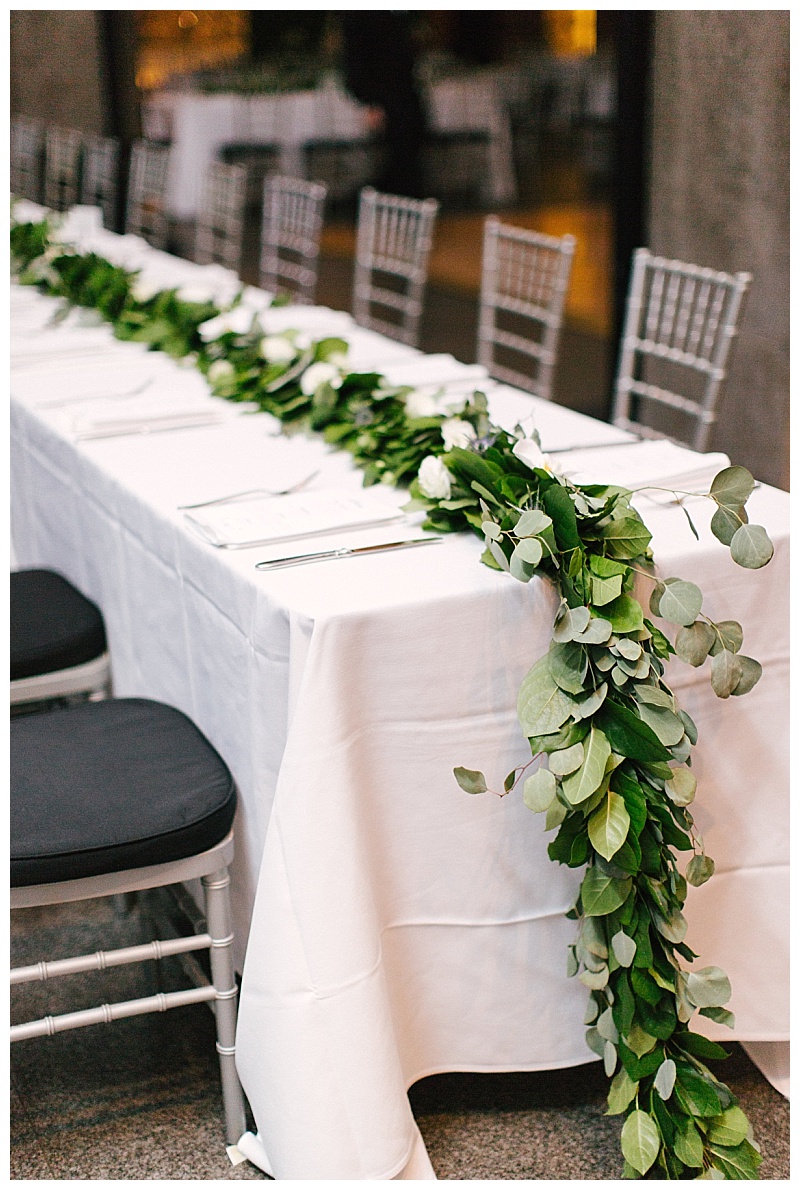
(432, 370)
(656, 462)
(269, 519)
(318, 321)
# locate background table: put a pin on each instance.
(397, 927)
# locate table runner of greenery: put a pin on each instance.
(614, 776)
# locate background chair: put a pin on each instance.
(27, 150)
(290, 236)
(117, 796)
(58, 641)
(680, 322)
(62, 167)
(99, 183)
(220, 220)
(147, 186)
(524, 283)
(392, 249)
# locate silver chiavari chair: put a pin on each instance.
(99, 184)
(220, 220)
(62, 166)
(524, 282)
(147, 187)
(290, 236)
(392, 250)
(27, 148)
(679, 326)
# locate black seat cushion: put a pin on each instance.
(53, 626)
(108, 786)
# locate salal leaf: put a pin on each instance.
(751, 672)
(582, 784)
(628, 735)
(740, 1162)
(732, 486)
(694, 642)
(709, 988)
(626, 538)
(722, 1016)
(624, 948)
(605, 589)
(539, 790)
(730, 1128)
(556, 813)
(726, 673)
(470, 780)
(567, 761)
(699, 869)
(596, 980)
(608, 825)
(655, 696)
(688, 1143)
(751, 547)
(606, 567)
(541, 706)
(625, 614)
(680, 602)
(641, 1141)
(665, 1078)
(621, 1092)
(602, 894)
(639, 1041)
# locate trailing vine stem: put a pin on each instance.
(617, 781)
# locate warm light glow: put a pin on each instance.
(178, 41)
(187, 20)
(571, 33)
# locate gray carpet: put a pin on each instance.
(140, 1100)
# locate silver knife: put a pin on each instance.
(345, 552)
(560, 450)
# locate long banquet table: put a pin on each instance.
(388, 925)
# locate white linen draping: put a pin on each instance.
(395, 926)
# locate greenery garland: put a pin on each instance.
(617, 782)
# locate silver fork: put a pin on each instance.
(295, 487)
(129, 392)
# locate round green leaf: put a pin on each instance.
(532, 523)
(751, 672)
(681, 787)
(694, 642)
(567, 761)
(539, 790)
(641, 1141)
(751, 547)
(568, 666)
(680, 602)
(709, 988)
(624, 948)
(621, 1092)
(608, 826)
(541, 706)
(529, 550)
(726, 673)
(730, 1128)
(470, 780)
(665, 1078)
(732, 486)
(601, 894)
(597, 632)
(726, 521)
(491, 530)
(609, 1059)
(569, 622)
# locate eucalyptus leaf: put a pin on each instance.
(751, 672)
(694, 642)
(470, 780)
(727, 635)
(595, 979)
(631, 650)
(722, 1016)
(567, 761)
(641, 1141)
(609, 1059)
(556, 813)
(498, 555)
(726, 521)
(624, 948)
(732, 486)
(586, 707)
(664, 723)
(672, 928)
(539, 790)
(568, 666)
(569, 622)
(597, 632)
(680, 603)
(607, 1029)
(529, 549)
(709, 988)
(491, 530)
(751, 547)
(532, 523)
(726, 673)
(681, 787)
(655, 696)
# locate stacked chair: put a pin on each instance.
(291, 228)
(100, 179)
(680, 322)
(524, 282)
(220, 220)
(146, 214)
(393, 246)
(27, 154)
(62, 168)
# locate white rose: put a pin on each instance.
(420, 405)
(196, 291)
(456, 432)
(237, 321)
(221, 369)
(317, 375)
(434, 479)
(530, 452)
(276, 349)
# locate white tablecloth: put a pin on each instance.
(199, 125)
(397, 927)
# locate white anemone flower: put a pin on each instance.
(434, 478)
(143, 288)
(277, 349)
(236, 321)
(420, 405)
(456, 432)
(317, 375)
(532, 455)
